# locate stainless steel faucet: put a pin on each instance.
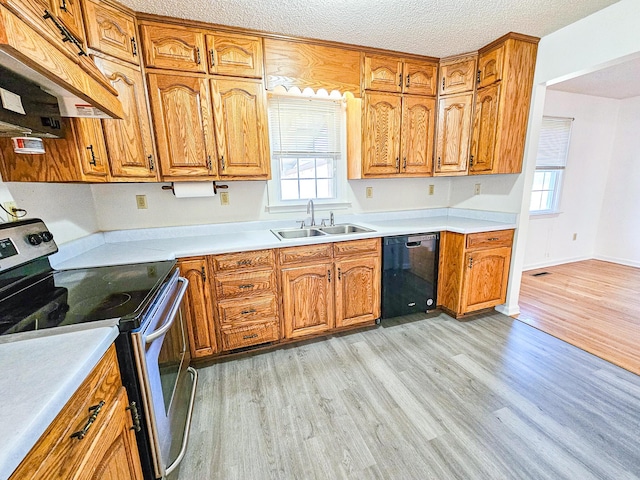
(311, 210)
(331, 219)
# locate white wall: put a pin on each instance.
(116, 206)
(67, 209)
(550, 237)
(619, 229)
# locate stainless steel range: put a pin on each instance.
(144, 300)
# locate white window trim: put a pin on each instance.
(557, 190)
(342, 201)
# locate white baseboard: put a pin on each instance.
(508, 310)
(621, 261)
(552, 263)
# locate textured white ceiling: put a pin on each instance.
(436, 28)
(618, 81)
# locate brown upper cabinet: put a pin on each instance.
(453, 134)
(173, 47)
(69, 12)
(240, 108)
(505, 81)
(128, 141)
(182, 116)
(234, 55)
(111, 31)
(395, 75)
(457, 74)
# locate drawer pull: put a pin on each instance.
(135, 416)
(95, 410)
(248, 285)
(493, 239)
(247, 337)
(251, 310)
(243, 262)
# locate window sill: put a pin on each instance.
(318, 207)
(544, 214)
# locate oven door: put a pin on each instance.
(168, 383)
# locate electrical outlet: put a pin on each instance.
(431, 189)
(476, 189)
(11, 207)
(369, 192)
(224, 198)
(141, 202)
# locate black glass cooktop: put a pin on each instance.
(66, 297)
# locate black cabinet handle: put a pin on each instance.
(93, 156)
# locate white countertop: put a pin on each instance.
(37, 378)
(148, 245)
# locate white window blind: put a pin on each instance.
(307, 150)
(553, 148)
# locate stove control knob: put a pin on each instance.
(34, 239)
(46, 236)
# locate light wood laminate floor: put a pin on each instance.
(418, 398)
(592, 304)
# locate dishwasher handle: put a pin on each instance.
(416, 240)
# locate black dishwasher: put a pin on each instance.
(409, 274)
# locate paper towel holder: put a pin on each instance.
(215, 187)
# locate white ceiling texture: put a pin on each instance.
(436, 28)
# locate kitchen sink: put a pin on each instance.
(344, 228)
(290, 233)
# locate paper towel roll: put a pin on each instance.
(193, 189)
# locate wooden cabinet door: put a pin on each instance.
(485, 124)
(457, 76)
(240, 112)
(485, 278)
(307, 299)
(235, 55)
(69, 12)
(91, 148)
(453, 132)
(490, 66)
(111, 31)
(420, 77)
(418, 125)
(199, 308)
(381, 142)
(113, 454)
(174, 48)
(383, 74)
(129, 142)
(183, 123)
(357, 291)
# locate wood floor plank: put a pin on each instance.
(592, 304)
(420, 397)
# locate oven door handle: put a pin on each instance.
(172, 314)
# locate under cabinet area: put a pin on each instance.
(92, 436)
(474, 271)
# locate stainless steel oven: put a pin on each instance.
(145, 301)
(168, 383)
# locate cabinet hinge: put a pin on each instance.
(134, 46)
(198, 59)
(209, 166)
(224, 165)
(212, 53)
(478, 77)
(204, 275)
(152, 165)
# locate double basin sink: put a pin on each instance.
(342, 229)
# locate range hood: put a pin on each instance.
(26, 53)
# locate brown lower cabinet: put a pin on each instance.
(474, 271)
(108, 450)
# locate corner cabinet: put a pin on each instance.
(108, 450)
(504, 82)
(474, 271)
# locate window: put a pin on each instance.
(551, 161)
(307, 137)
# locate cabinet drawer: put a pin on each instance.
(249, 335)
(501, 238)
(229, 285)
(305, 254)
(57, 454)
(356, 247)
(243, 260)
(241, 311)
